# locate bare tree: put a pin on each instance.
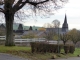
(64, 38)
(47, 25)
(49, 35)
(56, 23)
(10, 7)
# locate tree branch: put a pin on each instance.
(36, 3)
(20, 4)
(1, 10)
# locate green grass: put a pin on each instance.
(26, 53)
(5, 49)
(77, 52)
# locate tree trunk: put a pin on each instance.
(64, 42)
(9, 18)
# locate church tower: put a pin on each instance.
(65, 25)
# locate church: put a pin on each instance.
(62, 30)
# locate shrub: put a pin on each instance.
(32, 47)
(69, 48)
(72, 49)
(66, 48)
(43, 47)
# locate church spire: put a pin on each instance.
(65, 25)
(65, 20)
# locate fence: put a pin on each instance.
(25, 40)
(31, 40)
(2, 37)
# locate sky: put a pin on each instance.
(72, 10)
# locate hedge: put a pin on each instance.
(43, 47)
(69, 48)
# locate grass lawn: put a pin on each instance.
(26, 53)
(5, 49)
(77, 52)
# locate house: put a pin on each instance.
(2, 30)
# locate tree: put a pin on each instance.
(30, 28)
(78, 36)
(42, 29)
(29, 36)
(55, 37)
(10, 7)
(20, 27)
(64, 38)
(49, 35)
(56, 23)
(74, 35)
(47, 25)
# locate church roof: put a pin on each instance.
(65, 24)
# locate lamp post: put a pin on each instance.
(58, 39)
(56, 24)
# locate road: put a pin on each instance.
(71, 58)
(4, 56)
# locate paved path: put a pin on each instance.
(4, 56)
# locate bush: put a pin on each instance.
(69, 48)
(32, 47)
(66, 48)
(72, 49)
(43, 47)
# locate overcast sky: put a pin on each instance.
(72, 10)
